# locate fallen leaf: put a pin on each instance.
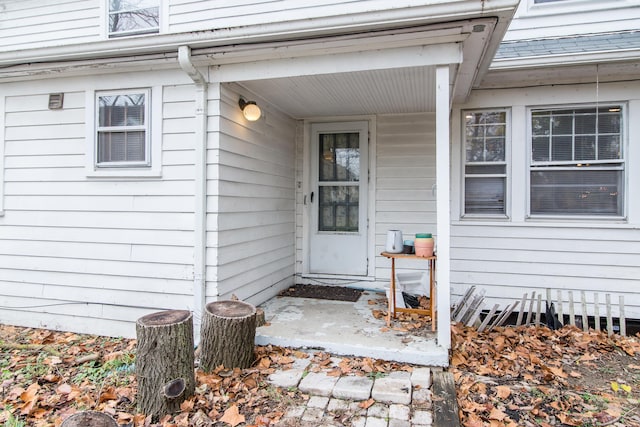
(232, 416)
(587, 357)
(603, 417)
(473, 421)
(626, 387)
(182, 420)
(187, 405)
(29, 397)
(108, 394)
(503, 391)
(615, 386)
(557, 371)
(569, 420)
(64, 388)
(365, 404)
(335, 372)
(52, 378)
(497, 414)
(614, 410)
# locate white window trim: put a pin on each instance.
(105, 19)
(507, 159)
(154, 138)
(624, 162)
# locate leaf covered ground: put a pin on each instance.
(47, 376)
(525, 376)
(533, 376)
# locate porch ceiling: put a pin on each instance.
(390, 91)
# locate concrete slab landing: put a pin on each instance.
(345, 328)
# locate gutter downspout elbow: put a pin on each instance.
(200, 191)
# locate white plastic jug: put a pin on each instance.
(394, 242)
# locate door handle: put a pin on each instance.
(311, 197)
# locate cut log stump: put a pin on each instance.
(89, 419)
(165, 361)
(227, 336)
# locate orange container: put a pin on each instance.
(424, 245)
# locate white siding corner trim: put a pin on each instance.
(154, 171)
(2, 100)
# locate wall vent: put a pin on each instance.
(55, 101)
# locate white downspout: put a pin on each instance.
(200, 181)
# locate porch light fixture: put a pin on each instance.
(250, 110)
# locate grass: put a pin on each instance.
(376, 375)
(11, 420)
(116, 370)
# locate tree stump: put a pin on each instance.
(89, 419)
(164, 361)
(228, 335)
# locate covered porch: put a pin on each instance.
(375, 83)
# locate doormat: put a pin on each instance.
(335, 293)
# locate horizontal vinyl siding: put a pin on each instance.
(405, 174)
(35, 23)
(205, 14)
(562, 19)
(189, 15)
(512, 260)
(92, 255)
(250, 221)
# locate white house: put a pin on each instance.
(132, 182)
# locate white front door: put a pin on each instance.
(338, 198)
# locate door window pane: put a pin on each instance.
(338, 208)
(339, 157)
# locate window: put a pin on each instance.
(122, 129)
(577, 162)
(485, 168)
(130, 17)
(339, 182)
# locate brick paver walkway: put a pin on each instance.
(402, 399)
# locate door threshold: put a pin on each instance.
(337, 277)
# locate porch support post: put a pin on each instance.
(443, 288)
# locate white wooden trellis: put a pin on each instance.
(470, 306)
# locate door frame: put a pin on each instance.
(306, 207)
